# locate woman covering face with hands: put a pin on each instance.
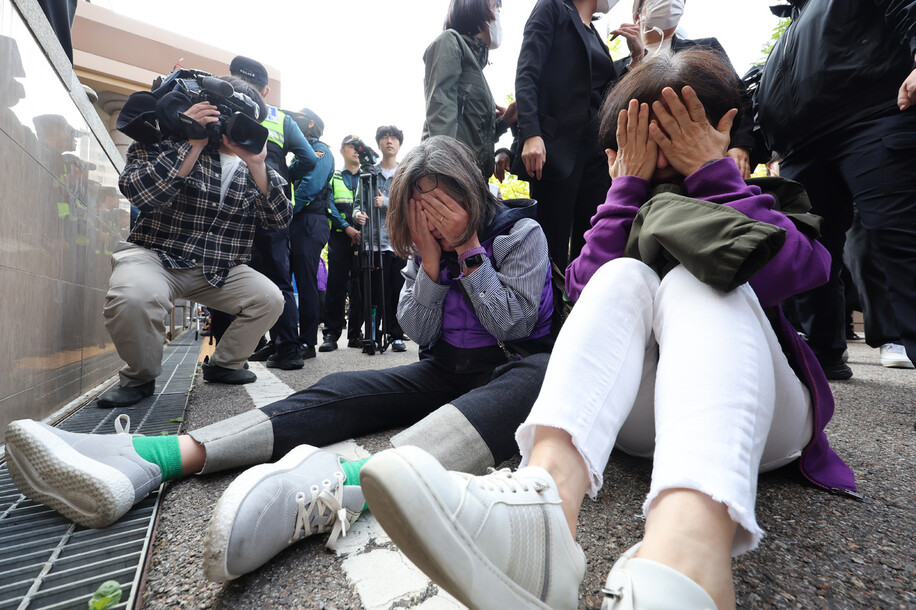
(684, 262)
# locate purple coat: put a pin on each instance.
(801, 264)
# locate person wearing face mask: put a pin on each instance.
(657, 21)
(564, 70)
(459, 103)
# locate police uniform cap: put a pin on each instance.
(250, 70)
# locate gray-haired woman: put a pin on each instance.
(477, 288)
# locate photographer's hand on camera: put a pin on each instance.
(204, 113)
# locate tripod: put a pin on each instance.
(371, 264)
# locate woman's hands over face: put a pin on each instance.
(683, 133)
(636, 153)
(444, 215)
(418, 224)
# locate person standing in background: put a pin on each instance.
(564, 70)
(310, 230)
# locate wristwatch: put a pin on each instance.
(475, 260)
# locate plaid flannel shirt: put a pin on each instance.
(181, 218)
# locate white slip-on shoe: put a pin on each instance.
(497, 542)
(643, 584)
(272, 506)
(92, 479)
(893, 356)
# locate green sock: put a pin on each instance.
(351, 470)
(162, 451)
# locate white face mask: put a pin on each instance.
(605, 5)
(661, 14)
(496, 32)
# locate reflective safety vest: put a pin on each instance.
(343, 197)
(275, 134)
(274, 125)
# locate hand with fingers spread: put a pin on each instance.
(445, 215)
(683, 133)
(636, 153)
(426, 243)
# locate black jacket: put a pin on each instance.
(742, 131)
(553, 84)
(838, 63)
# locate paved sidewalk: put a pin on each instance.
(820, 551)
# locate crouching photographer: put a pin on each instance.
(197, 174)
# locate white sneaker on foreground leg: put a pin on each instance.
(893, 356)
(272, 506)
(643, 584)
(498, 541)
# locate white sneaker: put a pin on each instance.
(893, 356)
(498, 541)
(643, 584)
(272, 506)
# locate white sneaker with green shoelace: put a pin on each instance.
(272, 506)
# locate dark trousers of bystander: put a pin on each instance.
(873, 163)
(308, 233)
(343, 276)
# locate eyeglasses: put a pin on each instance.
(435, 183)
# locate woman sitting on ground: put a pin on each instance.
(477, 284)
(711, 383)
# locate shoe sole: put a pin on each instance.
(48, 470)
(415, 518)
(216, 540)
(324, 349)
(285, 366)
(896, 364)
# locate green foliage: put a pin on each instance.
(512, 188)
(777, 32)
(618, 48)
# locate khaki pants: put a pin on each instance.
(140, 295)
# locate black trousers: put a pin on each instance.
(869, 284)
(343, 278)
(495, 396)
(565, 207)
(308, 233)
(874, 164)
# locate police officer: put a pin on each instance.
(342, 254)
(271, 252)
(310, 229)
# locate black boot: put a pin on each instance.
(124, 396)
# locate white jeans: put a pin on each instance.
(677, 371)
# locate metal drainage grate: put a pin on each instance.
(46, 561)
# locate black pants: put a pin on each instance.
(494, 396)
(343, 277)
(869, 284)
(270, 256)
(565, 207)
(308, 233)
(874, 164)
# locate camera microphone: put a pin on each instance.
(217, 86)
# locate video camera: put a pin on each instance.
(150, 116)
(367, 156)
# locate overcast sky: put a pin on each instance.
(359, 63)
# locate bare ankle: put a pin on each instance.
(554, 452)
